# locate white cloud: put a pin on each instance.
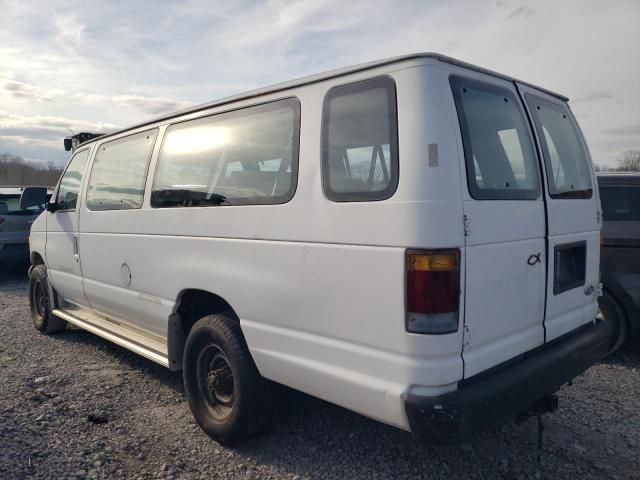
(118, 63)
(69, 28)
(26, 91)
(628, 130)
(150, 105)
(42, 130)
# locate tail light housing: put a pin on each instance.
(433, 291)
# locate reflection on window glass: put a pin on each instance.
(248, 156)
(67, 196)
(119, 172)
(568, 168)
(10, 205)
(500, 157)
(620, 204)
(360, 159)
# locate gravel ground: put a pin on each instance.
(50, 388)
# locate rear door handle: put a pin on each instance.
(76, 257)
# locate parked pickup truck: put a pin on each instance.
(15, 224)
(620, 254)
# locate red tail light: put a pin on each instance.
(433, 291)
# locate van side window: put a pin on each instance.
(568, 168)
(69, 189)
(498, 148)
(119, 172)
(360, 141)
(247, 156)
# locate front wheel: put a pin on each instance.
(40, 303)
(228, 398)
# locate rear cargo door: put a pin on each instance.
(505, 230)
(574, 216)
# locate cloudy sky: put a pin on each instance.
(69, 66)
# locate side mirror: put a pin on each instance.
(52, 206)
(33, 197)
(68, 144)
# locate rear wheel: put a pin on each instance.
(228, 398)
(40, 303)
(612, 312)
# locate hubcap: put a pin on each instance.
(216, 381)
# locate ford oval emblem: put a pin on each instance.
(589, 290)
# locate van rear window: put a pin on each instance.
(243, 157)
(360, 141)
(498, 148)
(568, 169)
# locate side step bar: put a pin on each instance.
(120, 336)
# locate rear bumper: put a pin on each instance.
(498, 396)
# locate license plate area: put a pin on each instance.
(570, 261)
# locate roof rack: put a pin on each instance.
(74, 141)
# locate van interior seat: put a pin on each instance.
(249, 183)
(339, 178)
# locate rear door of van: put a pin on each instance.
(574, 215)
(504, 215)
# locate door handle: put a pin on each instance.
(533, 259)
(76, 257)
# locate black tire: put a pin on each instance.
(40, 303)
(228, 397)
(613, 313)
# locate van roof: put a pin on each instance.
(310, 79)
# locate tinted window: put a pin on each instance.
(620, 204)
(568, 168)
(247, 156)
(498, 149)
(67, 196)
(10, 205)
(119, 172)
(360, 141)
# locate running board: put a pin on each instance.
(120, 336)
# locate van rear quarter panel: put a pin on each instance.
(318, 286)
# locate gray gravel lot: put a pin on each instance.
(49, 386)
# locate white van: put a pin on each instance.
(414, 239)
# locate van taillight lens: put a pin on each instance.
(433, 291)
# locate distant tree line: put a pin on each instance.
(629, 161)
(16, 171)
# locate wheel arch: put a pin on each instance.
(620, 297)
(35, 258)
(191, 305)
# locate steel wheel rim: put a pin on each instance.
(216, 381)
(38, 299)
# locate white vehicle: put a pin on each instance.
(414, 239)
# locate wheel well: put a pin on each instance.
(36, 259)
(626, 318)
(191, 306)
